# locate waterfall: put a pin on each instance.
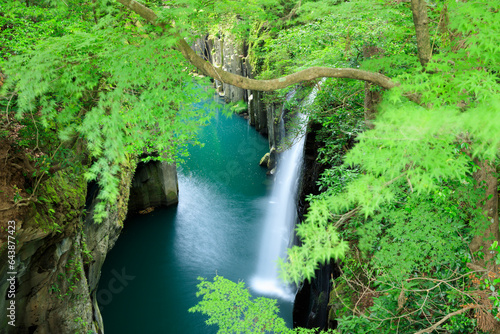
(281, 216)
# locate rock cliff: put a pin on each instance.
(231, 54)
(154, 185)
(59, 254)
(60, 249)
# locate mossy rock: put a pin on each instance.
(61, 199)
(265, 160)
(339, 298)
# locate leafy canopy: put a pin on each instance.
(419, 145)
(118, 86)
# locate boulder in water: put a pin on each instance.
(264, 162)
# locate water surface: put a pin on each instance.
(215, 229)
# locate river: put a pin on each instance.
(150, 275)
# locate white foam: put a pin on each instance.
(272, 288)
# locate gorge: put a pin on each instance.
(398, 204)
(215, 229)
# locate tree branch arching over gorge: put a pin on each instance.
(259, 85)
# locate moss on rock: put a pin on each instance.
(60, 201)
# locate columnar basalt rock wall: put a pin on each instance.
(231, 54)
(311, 307)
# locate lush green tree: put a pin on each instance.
(110, 85)
(230, 306)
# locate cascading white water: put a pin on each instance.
(279, 224)
(280, 218)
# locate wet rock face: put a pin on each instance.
(59, 257)
(311, 307)
(99, 239)
(51, 290)
(154, 185)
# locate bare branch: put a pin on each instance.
(292, 12)
(346, 216)
(283, 82)
(409, 183)
(7, 109)
(433, 327)
(142, 10)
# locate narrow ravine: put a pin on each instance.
(149, 278)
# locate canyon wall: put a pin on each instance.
(61, 249)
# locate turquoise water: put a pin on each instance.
(149, 278)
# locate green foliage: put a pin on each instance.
(421, 232)
(320, 243)
(73, 272)
(333, 181)
(119, 87)
(379, 303)
(23, 27)
(404, 196)
(403, 192)
(464, 75)
(238, 107)
(86, 253)
(423, 154)
(350, 34)
(338, 108)
(229, 305)
(196, 18)
(17, 195)
(420, 150)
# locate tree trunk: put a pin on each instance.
(373, 96)
(421, 22)
(486, 177)
(372, 99)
